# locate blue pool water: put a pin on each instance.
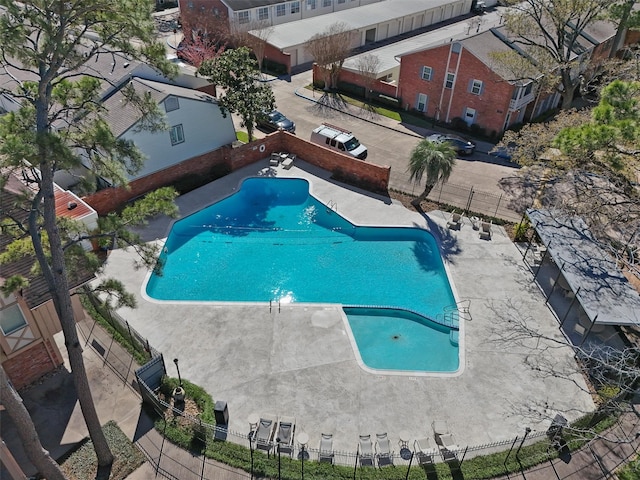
(273, 241)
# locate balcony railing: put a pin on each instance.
(521, 102)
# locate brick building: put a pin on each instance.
(460, 81)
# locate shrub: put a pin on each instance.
(386, 100)
(351, 88)
(271, 66)
(520, 231)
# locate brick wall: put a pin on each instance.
(211, 165)
(30, 365)
(353, 77)
(204, 168)
(276, 55)
(491, 106)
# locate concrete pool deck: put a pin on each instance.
(296, 360)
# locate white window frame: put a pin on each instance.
(423, 100)
(176, 134)
(281, 10)
(326, 3)
(263, 13)
(449, 80)
(311, 4)
(427, 73)
(476, 87)
(295, 7)
(244, 17)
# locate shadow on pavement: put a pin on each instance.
(51, 403)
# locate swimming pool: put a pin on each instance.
(273, 241)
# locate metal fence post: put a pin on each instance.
(497, 207)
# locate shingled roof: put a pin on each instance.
(12, 205)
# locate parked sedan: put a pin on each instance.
(461, 145)
(274, 120)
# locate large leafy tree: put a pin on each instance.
(549, 36)
(610, 141)
(432, 160)
(237, 74)
(53, 44)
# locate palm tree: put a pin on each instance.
(433, 159)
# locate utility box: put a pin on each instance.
(221, 412)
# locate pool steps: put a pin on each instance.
(449, 319)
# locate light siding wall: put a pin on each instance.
(204, 128)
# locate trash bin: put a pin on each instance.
(221, 413)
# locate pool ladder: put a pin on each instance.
(332, 206)
(452, 314)
(271, 302)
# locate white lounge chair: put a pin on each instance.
(366, 451)
(264, 432)
(424, 451)
(485, 230)
(285, 432)
(325, 452)
(445, 440)
(455, 222)
(383, 450)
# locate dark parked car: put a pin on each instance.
(461, 145)
(274, 121)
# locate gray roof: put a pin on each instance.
(237, 5)
(298, 32)
(603, 291)
(122, 116)
(439, 35)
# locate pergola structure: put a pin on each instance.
(603, 292)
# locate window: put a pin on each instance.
(311, 4)
(171, 104)
(11, 319)
(456, 47)
(243, 17)
(177, 134)
(326, 3)
(342, 1)
(281, 10)
(476, 87)
(295, 7)
(263, 13)
(448, 83)
(421, 104)
(426, 73)
(528, 88)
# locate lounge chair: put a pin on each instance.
(325, 452)
(485, 230)
(274, 159)
(383, 450)
(287, 162)
(445, 440)
(285, 432)
(264, 432)
(366, 451)
(424, 451)
(455, 222)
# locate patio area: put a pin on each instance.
(296, 359)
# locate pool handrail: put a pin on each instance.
(441, 319)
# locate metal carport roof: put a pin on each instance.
(603, 291)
